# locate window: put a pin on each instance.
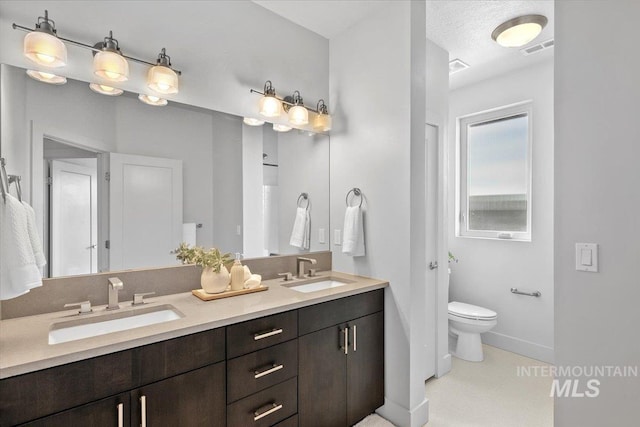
(495, 174)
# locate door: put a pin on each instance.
(145, 211)
(365, 367)
(74, 217)
(431, 250)
(322, 386)
(112, 411)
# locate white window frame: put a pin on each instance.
(463, 122)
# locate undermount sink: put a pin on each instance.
(319, 284)
(110, 322)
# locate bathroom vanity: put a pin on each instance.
(280, 357)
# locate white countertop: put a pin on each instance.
(24, 341)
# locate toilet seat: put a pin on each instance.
(472, 312)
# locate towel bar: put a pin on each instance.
(530, 294)
(356, 193)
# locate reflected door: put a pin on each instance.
(74, 220)
(145, 211)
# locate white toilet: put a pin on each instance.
(467, 322)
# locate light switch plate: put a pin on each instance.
(587, 257)
(337, 238)
(321, 236)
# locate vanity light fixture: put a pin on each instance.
(322, 121)
(298, 114)
(252, 122)
(281, 128)
(161, 78)
(269, 105)
(153, 100)
(109, 63)
(42, 76)
(43, 46)
(519, 31)
(105, 90)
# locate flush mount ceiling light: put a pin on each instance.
(41, 76)
(298, 114)
(109, 63)
(161, 78)
(43, 46)
(281, 128)
(105, 90)
(269, 105)
(252, 122)
(519, 31)
(153, 100)
(322, 121)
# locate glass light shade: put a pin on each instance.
(519, 35)
(252, 122)
(162, 79)
(153, 100)
(111, 66)
(106, 90)
(281, 128)
(45, 49)
(322, 123)
(41, 76)
(298, 115)
(270, 106)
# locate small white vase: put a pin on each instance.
(215, 282)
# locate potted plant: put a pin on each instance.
(215, 277)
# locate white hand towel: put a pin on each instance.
(353, 237)
(36, 243)
(301, 233)
(18, 270)
(254, 281)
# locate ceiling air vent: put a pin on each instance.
(535, 48)
(456, 65)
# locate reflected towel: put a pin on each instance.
(34, 237)
(301, 233)
(18, 270)
(353, 239)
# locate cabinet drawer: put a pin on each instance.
(179, 355)
(289, 422)
(261, 369)
(342, 310)
(266, 407)
(257, 334)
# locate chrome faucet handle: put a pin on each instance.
(138, 299)
(287, 276)
(85, 306)
(312, 272)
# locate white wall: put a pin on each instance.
(489, 268)
(597, 201)
(377, 96)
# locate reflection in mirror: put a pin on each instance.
(117, 184)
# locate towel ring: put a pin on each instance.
(301, 197)
(15, 179)
(356, 193)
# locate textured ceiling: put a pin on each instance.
(462, 27)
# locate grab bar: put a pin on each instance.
(530, 294)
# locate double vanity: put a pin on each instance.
(306, 352)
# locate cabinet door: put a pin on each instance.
(365, 367)
(322, 377)
(110, 412)
(196, 398)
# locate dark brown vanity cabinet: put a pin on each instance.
(341, 360)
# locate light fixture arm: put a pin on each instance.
(164, 59)
(289, 101)
(321, 107)
(46, 25)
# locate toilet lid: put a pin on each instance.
(469, 311)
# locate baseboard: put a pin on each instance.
(517, 345)
(403, 417)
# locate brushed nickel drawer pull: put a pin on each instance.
(273, 407)
(345, 331)
(120, 414)
(263, 335)
(355, 338)
(270, 370)
(143, 411)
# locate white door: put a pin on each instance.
(431, 250)
(145, 211)
(74, 217)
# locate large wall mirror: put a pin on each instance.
(118, 184)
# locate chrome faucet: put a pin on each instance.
(115, 285)
(301, 261)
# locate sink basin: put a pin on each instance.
(110, 322)
(319, 284)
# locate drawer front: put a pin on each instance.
(289, 422)
(179, 355)
(331, 313)
(261, 369)
(257, 334)
(266, 407)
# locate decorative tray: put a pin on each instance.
(200, 293)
